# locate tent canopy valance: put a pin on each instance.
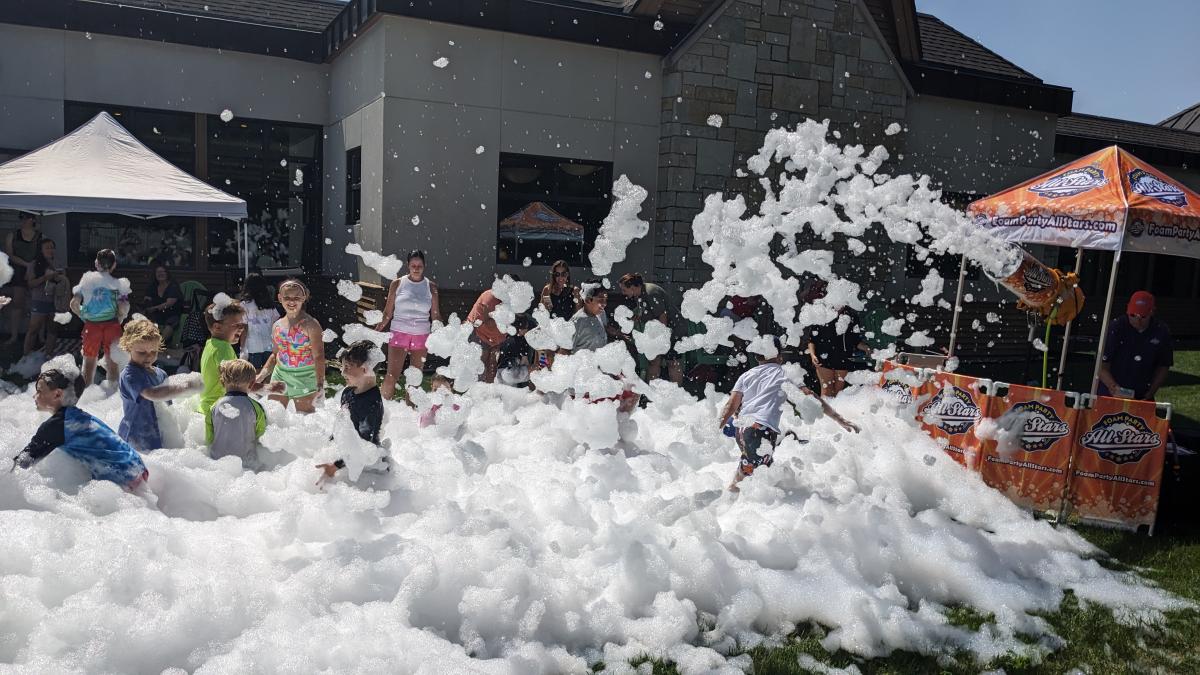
(101, 168)
(1108, 201)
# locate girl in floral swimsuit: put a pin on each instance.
(298, 351)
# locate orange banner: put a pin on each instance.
(906, 386)
(1030, 459)
(955, 406)
(1120, 447)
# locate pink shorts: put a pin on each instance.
(408, 341)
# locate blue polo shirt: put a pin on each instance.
(1133, 357)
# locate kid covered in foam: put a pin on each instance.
(85, 438)
(361, 399)
(103, 303)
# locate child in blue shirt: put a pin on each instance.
(83, 437)
(142, 383)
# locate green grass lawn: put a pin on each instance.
(1096, 643)
(1182, 390)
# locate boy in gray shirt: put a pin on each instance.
(238, 420)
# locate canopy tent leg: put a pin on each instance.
(958, 297)
(245, 250)
(1062, 361)
(1112, 288)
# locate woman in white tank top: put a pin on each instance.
(409, 313)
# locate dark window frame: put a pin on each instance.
(354, 185)
(313, 185)
(552, 186)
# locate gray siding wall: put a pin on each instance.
(42, 68)
(501, 92)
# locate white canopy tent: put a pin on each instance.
(101, 168)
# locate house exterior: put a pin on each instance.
(403, 125)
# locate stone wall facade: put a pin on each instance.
(762, 64)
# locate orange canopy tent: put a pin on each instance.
(1106, 201)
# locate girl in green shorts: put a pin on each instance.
(298, 351)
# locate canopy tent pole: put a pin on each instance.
(958, 297)
(245, 248)
(1112, 288)
(1062, 361)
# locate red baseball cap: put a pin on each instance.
(1141, 303)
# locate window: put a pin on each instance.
(550, 208)
(353, 186)
(276, 168)
(137, 242)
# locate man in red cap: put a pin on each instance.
(1138, 352)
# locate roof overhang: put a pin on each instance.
(960, 83)
(559, 20)
(165, 26)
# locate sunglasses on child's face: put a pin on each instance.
(561, 275)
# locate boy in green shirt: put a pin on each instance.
(226, 322)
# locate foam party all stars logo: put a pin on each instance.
(1037, 279)
(902, 392)
(1120, 438)
(1041, 426)
(1147, 184)
(952, 410)
(1070, 183)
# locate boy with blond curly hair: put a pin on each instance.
(142, 383)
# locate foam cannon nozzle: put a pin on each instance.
(1050, 293)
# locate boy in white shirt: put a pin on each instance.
(757, 399)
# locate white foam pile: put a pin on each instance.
(349, 290)
(219, 302)
(388, 267)
(516, 545)
(829, 192)
(549, 532)
(6, 270)
(91, 281)
(620, 227)
(551, 333)
(515, 297)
